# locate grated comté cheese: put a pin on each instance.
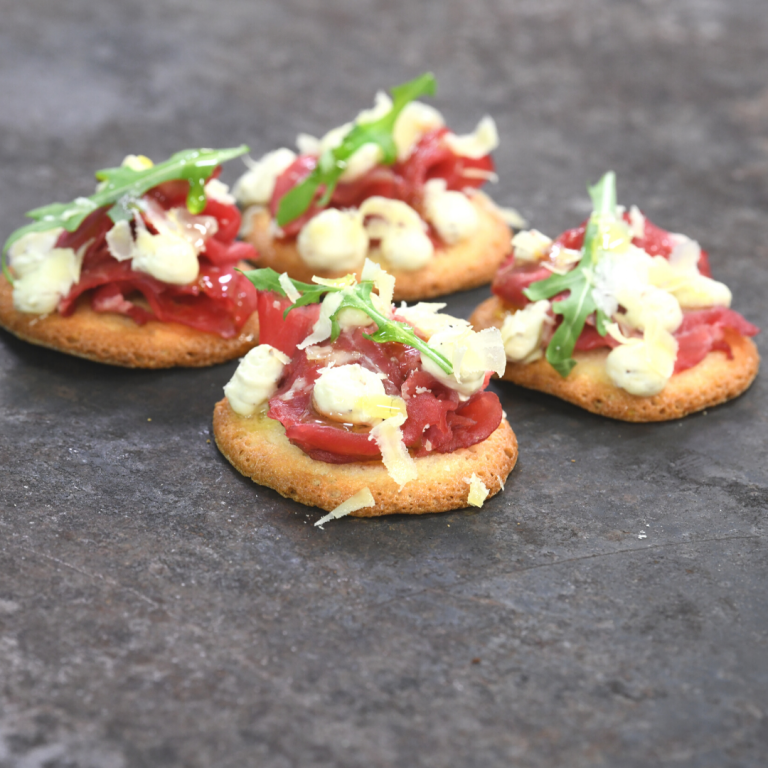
(398, 462)
(481, 142)
(509, 216)
(360, 500)
(322, 328)
(381, 406)
(530, 246)
(472, 355)
(478, 492)
(289, 288)
(384, 282)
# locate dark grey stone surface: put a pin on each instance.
(156, 609)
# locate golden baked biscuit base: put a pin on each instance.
(714, 380)
(258, 448)
(458, 267)
(107, 337)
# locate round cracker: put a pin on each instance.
(107, 337)
(714, 380)
(258, 448)
(467, 264)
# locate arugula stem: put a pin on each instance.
(332, 163)
(123, 184)
(579, 282)
(356, 296)
(384, 322)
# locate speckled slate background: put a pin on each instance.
(156, 609)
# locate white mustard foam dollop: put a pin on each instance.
(451, 213)
(31, 250)
(523, 331)
(255, 379)
(334, 239)
(680, 276)
(167, 257)
(170, 255)
(643, 366)
(402, 233)
(40, 290)
(354, 395)
(44, 274)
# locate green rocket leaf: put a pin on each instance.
(122, 185)
(356, 296)
(579, 304)
(333, 162)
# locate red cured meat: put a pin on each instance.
(284, 333)
(718, 316)
(220, 301)
(700, 332)
(381, 180)
(591, 339)
(655, 242)
(703, 331)
(293, 175)
(436, 422)
(431, 158)
(510, 281)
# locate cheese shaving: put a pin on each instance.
(472, 355)
(523, 332)
(337, 282)
(530, 246)
(479, 173)
(322, 328)
(636, 222)
(290, 289)
(480, 143)
(381, 406)
(478, 492)
(360, 500)
(427, 318)
(398, 462)
(509, 216)
(384, 282)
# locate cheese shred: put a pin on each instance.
(478, 492)
(398, 462)
(360, 500)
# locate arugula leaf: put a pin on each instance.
(333, 162)
(120, 186)
(355, 296)
(580, 304)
